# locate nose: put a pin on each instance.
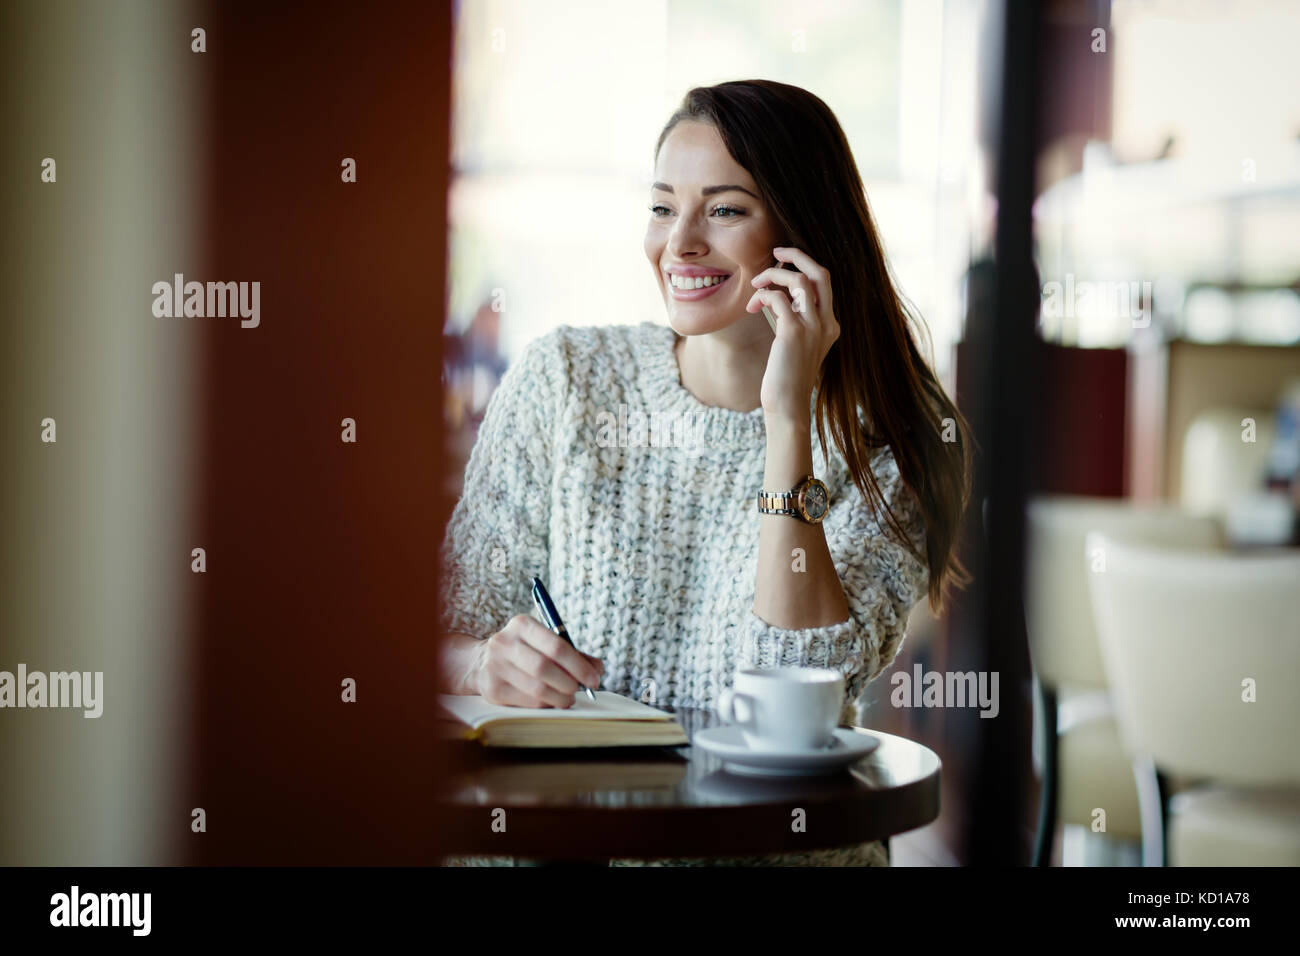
(684, 240)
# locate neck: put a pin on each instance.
(725, 368)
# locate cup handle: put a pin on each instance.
(727, 705)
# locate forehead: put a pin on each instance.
(693, 155)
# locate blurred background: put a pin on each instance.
(223, 686)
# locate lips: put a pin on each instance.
(684, 269)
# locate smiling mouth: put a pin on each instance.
(695, 282)
(699, 287)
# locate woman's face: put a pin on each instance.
(697, 229)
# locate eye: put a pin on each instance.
(733, 210)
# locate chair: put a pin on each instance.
(1083, 763)
(1182, 633)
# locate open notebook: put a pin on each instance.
(611, 721)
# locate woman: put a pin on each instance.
(667, 574)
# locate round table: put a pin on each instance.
(590, 804)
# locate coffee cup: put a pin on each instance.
(784, 708)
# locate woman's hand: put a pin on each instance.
(805, 331)
(526, 665)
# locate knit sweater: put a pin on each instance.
(595, 469)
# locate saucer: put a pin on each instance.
(728, 742)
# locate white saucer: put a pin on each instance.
(728, 742)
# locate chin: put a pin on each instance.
(684, 323)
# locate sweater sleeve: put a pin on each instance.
(882, 582)
(497, 537)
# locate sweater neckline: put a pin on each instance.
(720, 426)
(715, 422)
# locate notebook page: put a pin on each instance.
(475, 711)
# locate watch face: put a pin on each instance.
(815, 501)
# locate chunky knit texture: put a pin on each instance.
(597, 470)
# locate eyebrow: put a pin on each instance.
(707, 190)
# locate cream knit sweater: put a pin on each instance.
(596, 470)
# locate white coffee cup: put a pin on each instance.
(784, 708)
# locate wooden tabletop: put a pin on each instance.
(595, 803)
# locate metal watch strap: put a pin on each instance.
(778, 503)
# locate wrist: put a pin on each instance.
(789, 454)
(461, 660)
(475, 659)
(787, 426)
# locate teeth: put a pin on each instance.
(698, 282)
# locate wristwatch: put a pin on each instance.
(808, 501)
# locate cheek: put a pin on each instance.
(754, 257)
(653, 245)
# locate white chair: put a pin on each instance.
(1187, 637)
(1083, 764)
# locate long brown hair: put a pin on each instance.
(793, 146)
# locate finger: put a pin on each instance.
(821, 279)
(533, 690)
(536, 664)
(557, 649)
(600, 670)
(496, 689)
(791, 281)
(778, 302)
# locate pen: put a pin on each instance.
(552, 618)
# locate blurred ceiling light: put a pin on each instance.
(1207, 316)
(1269, 317)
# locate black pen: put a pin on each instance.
(552, 618)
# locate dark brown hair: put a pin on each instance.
(793, 146)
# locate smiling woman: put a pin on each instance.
(671, 571)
